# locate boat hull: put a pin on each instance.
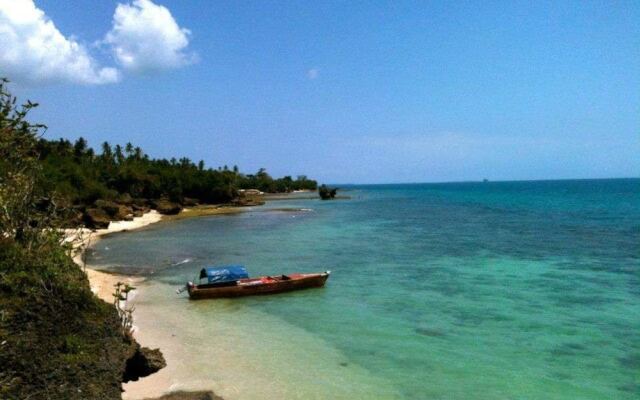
(259, 286)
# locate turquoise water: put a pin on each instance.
(506, 290)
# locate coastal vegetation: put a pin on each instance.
(80, 174)
(121, 182)
(57, 340)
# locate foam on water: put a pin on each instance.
(185, 261)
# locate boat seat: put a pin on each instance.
(285, 277)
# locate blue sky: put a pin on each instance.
(363, 92)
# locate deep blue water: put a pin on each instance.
(496, 290)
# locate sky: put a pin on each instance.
(344, 92)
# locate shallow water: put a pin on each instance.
(503, 290)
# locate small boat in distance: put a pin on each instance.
(234, 281)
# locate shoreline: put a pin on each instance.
(81, 239)
(102, 283)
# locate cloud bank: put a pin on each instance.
(144, 37)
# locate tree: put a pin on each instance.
(128, 149)
(119, 155)
(20, 209)
(107, 153)
(80, 147)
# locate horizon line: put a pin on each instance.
(487, 181)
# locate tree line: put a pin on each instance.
(78, 173)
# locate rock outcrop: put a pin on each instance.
(96, 218)
(144, 362)
(167, 207)
(109, 207)
(115, 210)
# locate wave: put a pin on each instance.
(186, 260)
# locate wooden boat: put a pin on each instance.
(234, 281)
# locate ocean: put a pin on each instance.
(494, 290)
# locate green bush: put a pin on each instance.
(58, 340)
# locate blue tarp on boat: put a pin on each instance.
(224, 273)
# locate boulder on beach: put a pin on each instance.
(109, 207)
(96, 218)
(115, 211)
(144, 362)
(124, 212)
(167, 207)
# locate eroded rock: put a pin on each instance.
(167, 207)
(144, 362)
(96, 218)
(109, 207)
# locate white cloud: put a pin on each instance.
(34, 51)
(313, 73)
(146, 37)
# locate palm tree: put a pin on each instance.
(128, 148)
(107, 153)
(80, 147)
(119, 155)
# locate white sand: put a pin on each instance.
(102, 283)
(73, 235)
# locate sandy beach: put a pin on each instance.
(102, 283)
